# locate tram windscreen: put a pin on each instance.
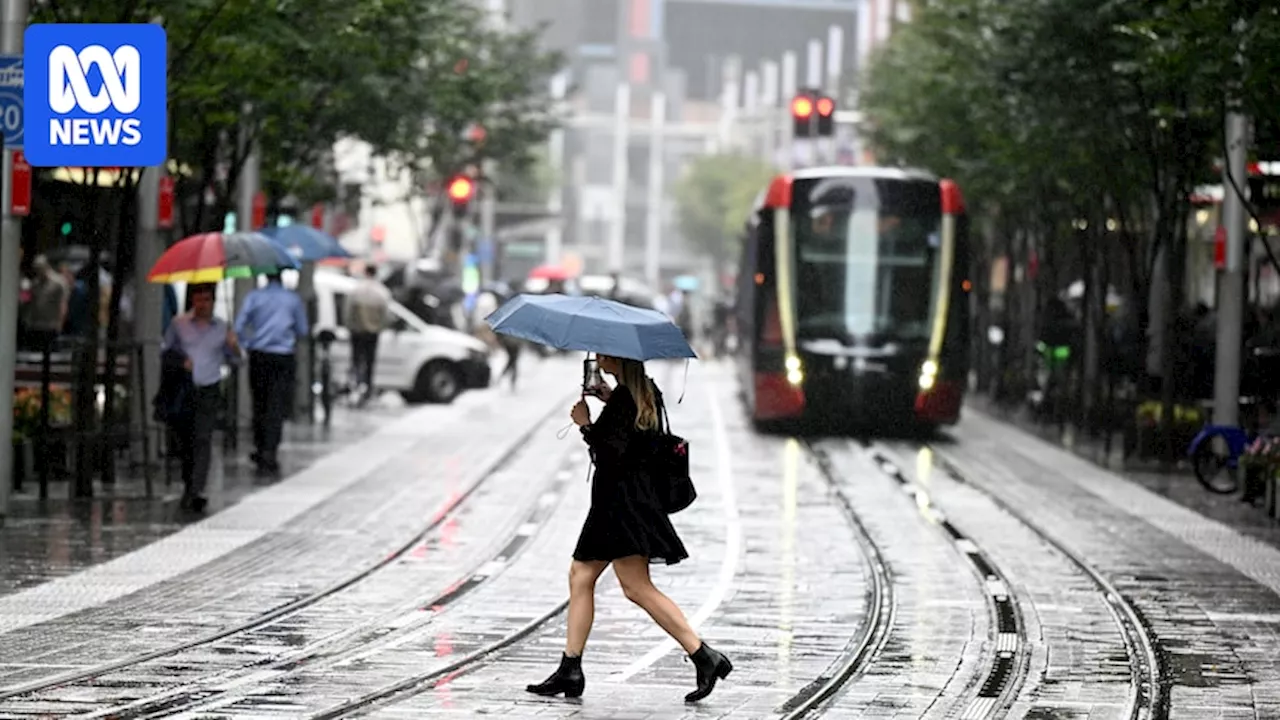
(866, 258)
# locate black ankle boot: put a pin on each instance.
(712, 666)
(567, 679)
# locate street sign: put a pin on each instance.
(11, 107)
(164, 212)
(19, 184)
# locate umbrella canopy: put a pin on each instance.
(592, 324)
(549, 272)
(306, 243)
(215, 256)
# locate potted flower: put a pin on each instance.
(26, 423)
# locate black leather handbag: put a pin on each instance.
(671, 467)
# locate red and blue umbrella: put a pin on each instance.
(215, 256)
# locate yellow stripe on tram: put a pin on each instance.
(786, 296)
(942, 301)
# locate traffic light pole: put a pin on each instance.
(487, 243)
(13, 23)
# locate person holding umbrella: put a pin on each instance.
(206, 343)
(628, 525)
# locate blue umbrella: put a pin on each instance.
(306, 243)
(593, 324)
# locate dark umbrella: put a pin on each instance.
(592, 324)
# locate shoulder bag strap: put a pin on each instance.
(664, 425)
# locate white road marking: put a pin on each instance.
(732, 551)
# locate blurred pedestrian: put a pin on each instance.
(626, 527)
(207, 344)
(512, 346)
(271, 320)
(366, 315)
(47, 310)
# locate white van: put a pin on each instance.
(424, 362)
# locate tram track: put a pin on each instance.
(450, 509)
(1009, 659)
(1147, 699)
(860, 652)
(403, 623)
(873, 631)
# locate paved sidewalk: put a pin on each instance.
(41, 541)
(356, 503)
(1177, 484)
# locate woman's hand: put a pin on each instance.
(580, 413)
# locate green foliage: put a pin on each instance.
(714, 197)
(408, 77)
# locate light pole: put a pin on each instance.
(13, 22)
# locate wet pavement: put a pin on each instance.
(420, 571)
(1176, 483)
(44, 540)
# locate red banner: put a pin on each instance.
(164, 209)
(317, 216)
(259, 211)
(19, 185)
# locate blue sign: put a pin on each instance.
(97, 95)
(11, 99)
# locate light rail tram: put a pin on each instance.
(853, 299)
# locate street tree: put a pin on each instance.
(713, 199)
(1078, 128)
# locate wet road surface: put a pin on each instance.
(420, 571)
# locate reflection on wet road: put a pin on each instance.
(980, 574)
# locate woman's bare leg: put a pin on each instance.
(633, 575)
(582, 604)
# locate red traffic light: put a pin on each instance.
(826, 106)
(802, 106)
(460, 189)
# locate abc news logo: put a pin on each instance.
(69, 90)
(94, 95)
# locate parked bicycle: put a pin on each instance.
(1216, 450)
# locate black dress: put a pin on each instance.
(625, 517)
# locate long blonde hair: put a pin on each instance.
(634, 378)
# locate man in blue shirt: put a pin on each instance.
(208, 344)
(271, 321)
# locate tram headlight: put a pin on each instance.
(795, 374)
(928, 374)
